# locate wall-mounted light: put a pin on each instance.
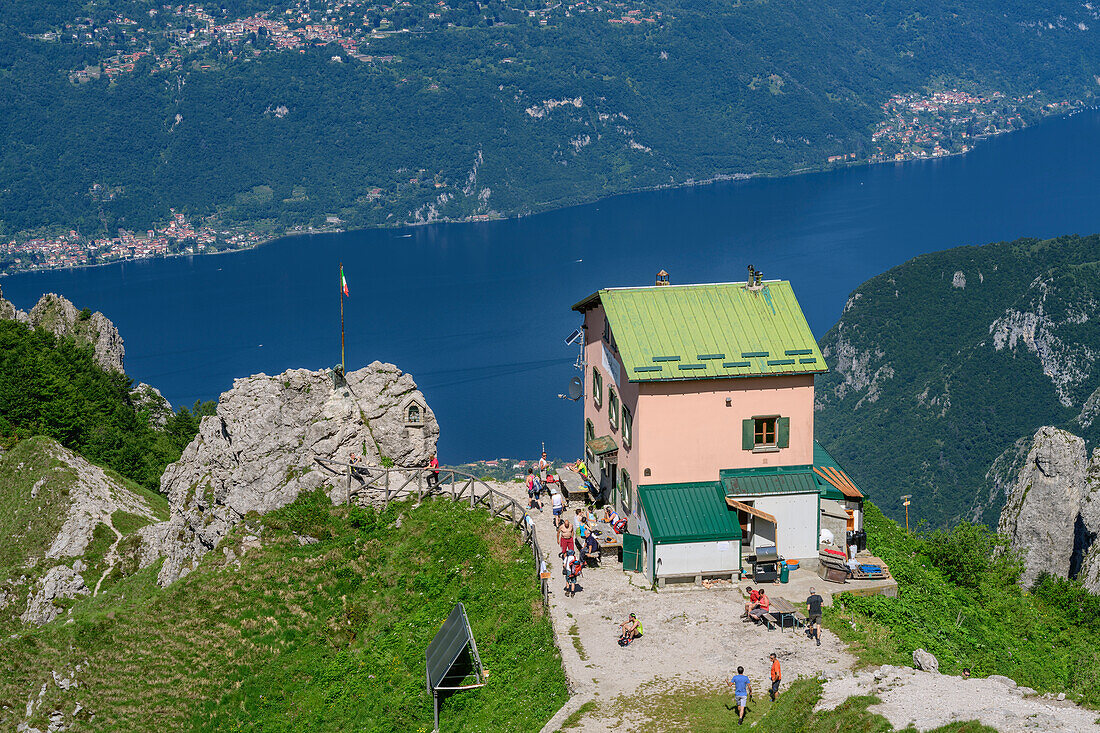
(729, 402)
(647, 472)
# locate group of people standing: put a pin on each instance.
(742, 687)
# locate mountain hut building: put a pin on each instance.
(699, 426)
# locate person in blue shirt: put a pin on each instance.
(742, 690)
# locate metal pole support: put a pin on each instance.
(435, 706)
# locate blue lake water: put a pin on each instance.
(478, 312)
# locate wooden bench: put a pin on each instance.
(770, 621)
(697, 578)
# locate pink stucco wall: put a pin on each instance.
(684, 431)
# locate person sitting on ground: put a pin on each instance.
(813, 611)
(754, 596)
(742, 692)
(630, 629)
(592, 550)
(966, 673)
(763, 605)
(572, 570)
(611, 516)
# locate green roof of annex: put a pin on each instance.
(708, 331)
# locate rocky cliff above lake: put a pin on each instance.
(956, 355)
(257, 453)
(60, 317)
(1052, 515)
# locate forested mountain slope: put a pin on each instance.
(435, 110)
(938, 367)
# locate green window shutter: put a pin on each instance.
(783, 432)
(748, 434)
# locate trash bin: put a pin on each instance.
(784, 572)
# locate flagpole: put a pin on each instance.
(343, 370)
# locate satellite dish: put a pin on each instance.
(573, 337)
(576, 388)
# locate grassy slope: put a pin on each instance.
(327, 636)
(993, 627)
(711, 711)
(28, 526)
(30, 523)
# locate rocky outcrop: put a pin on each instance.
(257, 452)
(1050, 517)
(59, 583)
(60, 317)
(1048, 331)
(9, 312)
(150, 403)
(925, 661)
(47, 484)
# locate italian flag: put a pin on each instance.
(343, 282)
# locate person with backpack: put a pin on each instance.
(571, 568)
(532, 491)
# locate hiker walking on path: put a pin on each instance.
(565, 536)
(571, 567)
(742, 691)
(532, 491)
(544, 467)
(777, 675)
(813, 610)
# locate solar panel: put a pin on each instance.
(450, 642)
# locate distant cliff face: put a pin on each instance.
(257, 453)
(60, 317)
(940, 365)
(1052, 515)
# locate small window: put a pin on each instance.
(589, 431)
(764, 432)
(626, 491)
(613, 409)
(597, 387)
(628, 427)
(413, 415)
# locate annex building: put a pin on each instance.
(699, 425)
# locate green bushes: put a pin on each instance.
(960, 600)
(54, 387)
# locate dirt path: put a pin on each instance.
(931, 700)
(692, 635)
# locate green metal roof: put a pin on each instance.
(601, 445)
(770, 480)
(708, 331)
(688, 512)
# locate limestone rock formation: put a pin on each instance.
(60, 317)
(257, 452)
(59, 582)
(45, 484)
(925, 661)
(1050, 517)
(9, 312)
(151, 402)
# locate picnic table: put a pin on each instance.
(782, 612)
(609, 540)
(574, 486)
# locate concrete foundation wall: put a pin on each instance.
(697, 557)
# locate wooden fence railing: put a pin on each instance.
(394, 483)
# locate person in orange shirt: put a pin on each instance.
(777, 675)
